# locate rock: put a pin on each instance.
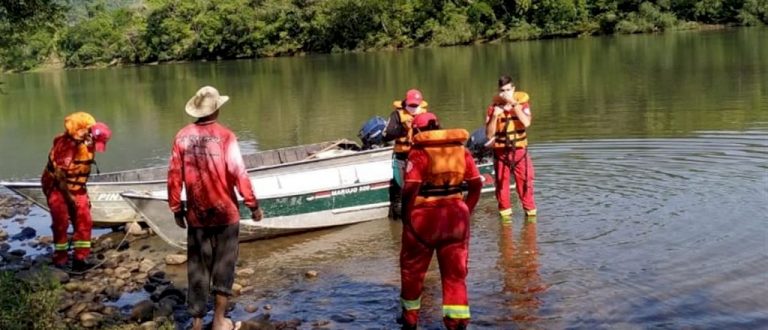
(113, 292)
(133, 228)
(3, 235)
(107, 243)
(142, 311)
(47, 240)
(292, 324)
(236, 289)
(74, 287)
(122, 273)
(26, 233)
(175, 259)
(164, 307)
(146, 265)
(343, 318)
(267, 307)
(110, 310)
(66, 303)
(60, 275)
(5, 246)
(38, 273)
(311, 274)
(245, 272)
(251, 308)
(149, 287)
(257, 325)
(149, 325)
(90, 320)
(140, 277)
(109, 271)
(76, 309)
(131, 266)
(173, 293)
(119, 283)
(18, 253)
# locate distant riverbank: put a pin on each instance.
(41, 35)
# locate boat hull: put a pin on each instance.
(300, 212)
(109, 209)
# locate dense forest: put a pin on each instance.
(79, 33)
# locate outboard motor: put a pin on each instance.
(476, 144)
(372, 133)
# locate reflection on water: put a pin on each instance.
(519, 265)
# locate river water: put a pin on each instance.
(651, 156)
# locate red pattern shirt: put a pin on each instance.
(206, 160)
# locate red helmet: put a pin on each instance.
(100, 133)
(425, 121)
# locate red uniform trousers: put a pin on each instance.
(523, 171)
(443, 226)
(81, 221)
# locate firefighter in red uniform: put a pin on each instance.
(399, 129)
(506, 122)
(436, 218)
(63, 183)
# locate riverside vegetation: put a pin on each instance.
(82, 33)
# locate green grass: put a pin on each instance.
(29, 305)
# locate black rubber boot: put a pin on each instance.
(395, 201)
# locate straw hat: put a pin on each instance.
(205, 102)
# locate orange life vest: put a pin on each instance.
(77, 172)
(403, 144)
(510, 131)
(445, 172)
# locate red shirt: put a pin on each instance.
(206, 160)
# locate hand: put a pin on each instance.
(408, 123)
(179, 218)
(498, 111)
(257, 214)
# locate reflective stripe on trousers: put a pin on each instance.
(456, 311)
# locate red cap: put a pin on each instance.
(413, 97)
(100, 133)
(423, 119)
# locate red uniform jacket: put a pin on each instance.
(206, 160)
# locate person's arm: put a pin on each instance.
(474, 182)
(175, 184)
(394, 129)
(493, 113)
(523, 112)
(416, 166)
(236, 170)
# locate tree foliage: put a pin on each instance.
(100, 32)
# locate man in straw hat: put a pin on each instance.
(206, 160)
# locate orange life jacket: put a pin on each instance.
(77, 172)
(445, 172)
(403, 144)
(510, 131)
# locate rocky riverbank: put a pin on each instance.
(124, 267)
